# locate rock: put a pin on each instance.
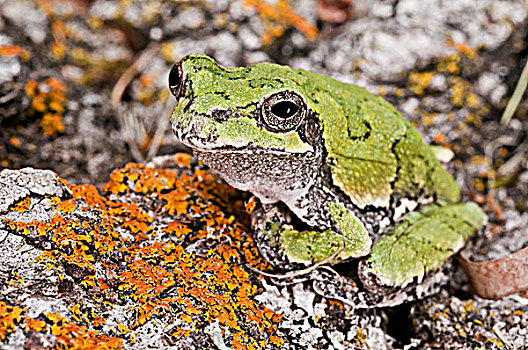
(156, 258)
(24, 14)
(16, 185)
(465, 323)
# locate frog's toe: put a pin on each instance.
(270, 249)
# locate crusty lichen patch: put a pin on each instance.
(9, 317)
(160, 245)
(277, 17)
(471, 323)
(47, 100)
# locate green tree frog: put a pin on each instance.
(341, 176)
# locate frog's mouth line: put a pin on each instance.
(207, 146)
(247, 149)
(195, 134)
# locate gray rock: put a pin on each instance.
(24, 14)
(18, 184)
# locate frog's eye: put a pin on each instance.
(176, 80)
(283, 111)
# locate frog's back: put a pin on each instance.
(376, 156)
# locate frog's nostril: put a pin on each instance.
(176, 80)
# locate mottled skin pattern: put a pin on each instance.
(334, 167)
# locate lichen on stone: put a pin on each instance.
(151, 245)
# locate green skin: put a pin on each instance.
(346, 174)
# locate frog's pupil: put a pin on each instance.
(284, 109)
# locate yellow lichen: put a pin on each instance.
(418, 82)
(449, 64)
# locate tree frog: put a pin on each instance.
(343, 179)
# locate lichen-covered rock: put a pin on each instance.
(157, 258)
(16, 185)
(456, 323)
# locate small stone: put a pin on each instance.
(249, 39)
(156, 33)
(24, 14)
(488, 82)
(382, 10)
(192, 18)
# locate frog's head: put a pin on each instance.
(254, 125)
(260, 107)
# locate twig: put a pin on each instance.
(501, 336)
(138, 66)
(119, 88)
(161, 127)
(300, 272)
(518, 93)
(488, 152)
(511, 165)
(5, 237)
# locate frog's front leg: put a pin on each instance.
(287, 248)
(419, 245)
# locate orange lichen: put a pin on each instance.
(22, 206)
(47, 100)
(34, 325)
(70, 335)
(183, 160)
(463, 48)
(140, 179)
(335, 303)
(15, 50)
(9, 318)
(52, 124)
(439, 138)
(278, 17)
(147, 217)
(15, 141)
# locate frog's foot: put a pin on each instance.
(289, 249)
(419, 246)
(333, 285)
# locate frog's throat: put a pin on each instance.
(271, 176)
